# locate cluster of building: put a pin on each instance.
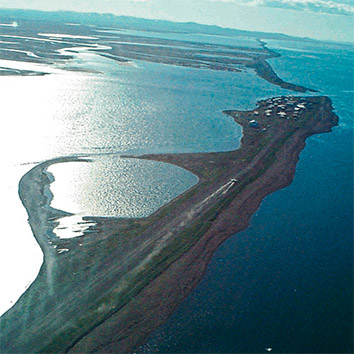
(282, 107)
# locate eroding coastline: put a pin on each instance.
(129, 275)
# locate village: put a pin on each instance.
(284, 107)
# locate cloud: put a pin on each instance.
(339, 7)
(326, 6)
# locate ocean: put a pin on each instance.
(283, 283)
(286, 282)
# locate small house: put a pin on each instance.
(253, 123)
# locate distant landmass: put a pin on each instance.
(135, 23)
(122, 46)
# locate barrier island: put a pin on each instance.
(107, 290)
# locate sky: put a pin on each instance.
(318, 19)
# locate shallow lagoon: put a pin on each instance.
(141, 108)
(111, 186)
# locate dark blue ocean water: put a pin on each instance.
(286, 282)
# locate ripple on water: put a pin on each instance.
(111, 186)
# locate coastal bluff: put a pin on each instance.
(114, 285)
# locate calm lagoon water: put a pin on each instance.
(108, 111)
(286, 282)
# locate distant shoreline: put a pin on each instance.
(124, 279)
(53, 46)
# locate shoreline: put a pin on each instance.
(125, 48)
(36, 197)
(131, 274)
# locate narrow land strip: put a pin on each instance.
(117, 284)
